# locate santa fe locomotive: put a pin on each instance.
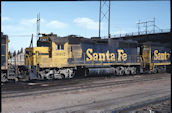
(57, 57)
(4, 56)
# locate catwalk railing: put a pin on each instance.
(138, 33)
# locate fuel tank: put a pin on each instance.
(100, 71)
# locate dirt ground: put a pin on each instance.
(98, 99)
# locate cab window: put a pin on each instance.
(59, 47)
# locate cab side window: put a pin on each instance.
(62, 47)
(59, 47)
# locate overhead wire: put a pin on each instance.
(21, 35)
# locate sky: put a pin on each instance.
(18, 19)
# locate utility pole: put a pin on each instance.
(146, 27)
(138, 27)
(104, 12)
(31, 42)
(109, 22)
(100, 18)
(147, 24)
(38, 25)
(154, 25)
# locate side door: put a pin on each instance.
(146, 55)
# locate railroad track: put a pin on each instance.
(76, 86)
(160, 105)
(122, 109)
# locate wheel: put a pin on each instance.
(70, 73)
(122, 72)
(62, 76)
(3, 77)
(16, 79)
(133, 70)
(114, 72)
(49, 77)
(127, 71)
(85, 73)
(155, 70)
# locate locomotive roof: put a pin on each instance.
(73, 39)
(3, 36)
(157, 44)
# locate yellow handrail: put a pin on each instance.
(28, 62)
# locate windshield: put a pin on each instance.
(43, 42)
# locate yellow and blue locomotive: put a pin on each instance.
(4, 57)
(8, 70)
(63, 57)
(156, 56)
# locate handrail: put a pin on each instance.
(137, 33)
(29, 62)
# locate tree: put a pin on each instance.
(14, 54)
(9, 54)
(17, 52)
(21, 50)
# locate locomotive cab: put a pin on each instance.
(50, 55)
(43, 45)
